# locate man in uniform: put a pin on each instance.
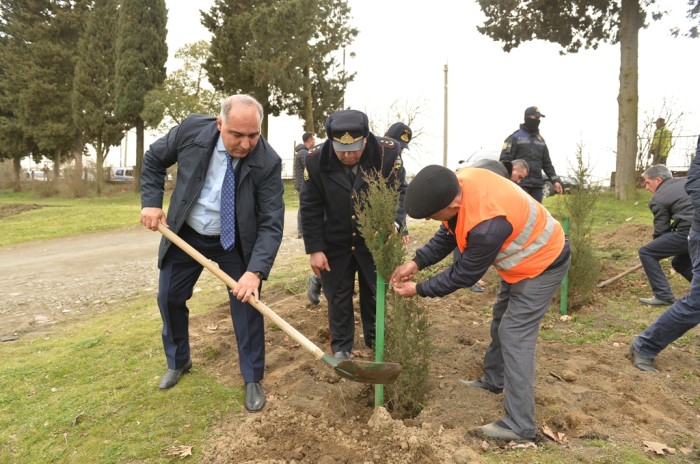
(300, 152)
(334, 177)
(493, 222)
(527, 144)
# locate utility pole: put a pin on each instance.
(444, 136)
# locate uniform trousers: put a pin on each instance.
(509, 362)
(664, 246)
(178, 275)
(341, 313)
(680, 317)
(535, 192)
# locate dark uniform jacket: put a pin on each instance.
(692, 187)
(671, 207)
(259, 188)
(327, 201)
(531, 147)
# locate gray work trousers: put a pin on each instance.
(509, 362)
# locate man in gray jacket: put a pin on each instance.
(673, 214)
(228, 205)
(684, 314)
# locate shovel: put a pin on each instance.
(357, 371)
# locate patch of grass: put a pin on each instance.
(62, 217)
(89, 394)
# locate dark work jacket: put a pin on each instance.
(671, 207)
(327, 203)
(692, 187)
(259, 188)
(529, 146)
(300, 152)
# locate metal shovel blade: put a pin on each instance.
(365, 371)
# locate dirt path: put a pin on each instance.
(50, 281)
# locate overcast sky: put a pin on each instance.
(404, 45)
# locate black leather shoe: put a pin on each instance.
(172, 376)
(640, 361)
(478, 383)
(313, 290)
(254, 397)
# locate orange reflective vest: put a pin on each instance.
(537, 238)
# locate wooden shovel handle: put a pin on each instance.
(620, 275)
(230, 282)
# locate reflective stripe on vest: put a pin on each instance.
(514, 253)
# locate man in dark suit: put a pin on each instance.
(334, 177)
(228, 205)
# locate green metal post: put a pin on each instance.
(379, 336)
(564, 300)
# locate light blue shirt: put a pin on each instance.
(205, 215)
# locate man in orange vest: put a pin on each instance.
(493, 222)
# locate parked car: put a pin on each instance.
(568, 183)
(121, 174)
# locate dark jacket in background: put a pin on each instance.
(259, 188)
(300, 153)
(529, 146)
(671, 207)
(692, 186)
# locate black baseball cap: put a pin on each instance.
(533, 111)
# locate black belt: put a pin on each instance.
(204, 237)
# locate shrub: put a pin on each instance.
(584, 270)
(407, 340)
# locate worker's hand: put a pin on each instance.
(318, 263)
(404, 273)
(405, 289)
(558, 188)
(247, 287)
(150, 217)
(406, 239)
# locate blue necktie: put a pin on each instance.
(228, 207)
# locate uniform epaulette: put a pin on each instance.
(315, 150)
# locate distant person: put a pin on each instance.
(337, 250)
(403, 135)
(300, 152)
(660, 143)
(673, 215)
(527, 144)
(684, 314)
(227, 204)
(494, 223)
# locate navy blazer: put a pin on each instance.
(259, 188)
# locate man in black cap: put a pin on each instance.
(334, 177)
(493, 222)
(526, 143)
(403, 135)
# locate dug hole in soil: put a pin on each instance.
(312, 415)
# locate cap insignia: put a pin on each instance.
(347, 139)
(405, 137)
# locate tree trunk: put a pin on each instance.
(627, 100)
(309, 107)
(139, 155)
(17, 168)
(99, 167)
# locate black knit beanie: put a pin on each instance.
(433, 189)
